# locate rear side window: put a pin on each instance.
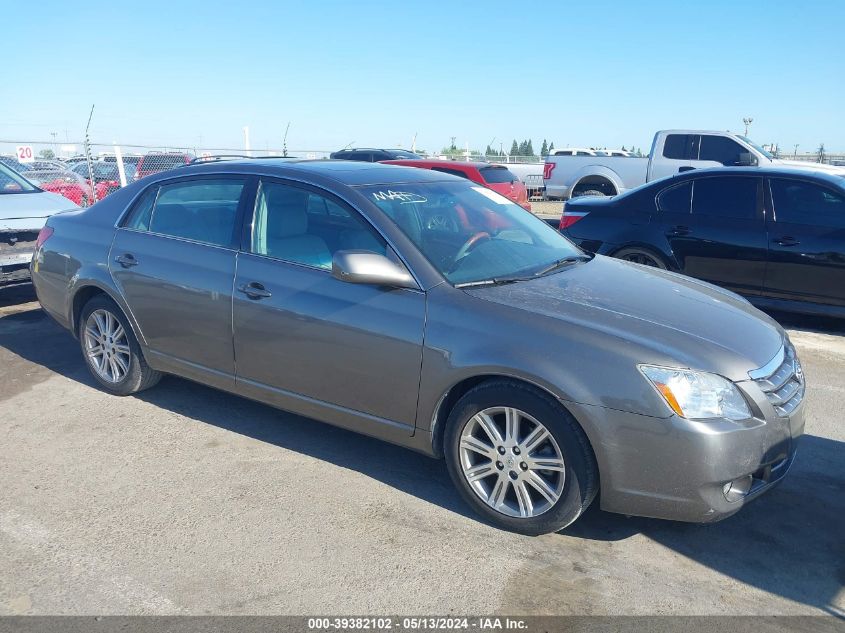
(201, 210)
(720, 149)
(362, 156)
(728, 197)
(142, 212)
(675, 199)
(681, 146)
(807, 203)
(495, 175)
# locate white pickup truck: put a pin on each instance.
(672, 151)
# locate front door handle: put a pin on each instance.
(680, 230)
(786, 240)
(255, 290)
(127, 260)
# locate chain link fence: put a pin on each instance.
(85, 173)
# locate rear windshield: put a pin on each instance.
(497, 174)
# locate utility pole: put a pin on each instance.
(747, 121)
(246, 141)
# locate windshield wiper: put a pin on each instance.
(560, 263)
(495, 281)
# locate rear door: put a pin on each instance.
(174, 262)
(676, 155)
(715, 229)
(806, 242)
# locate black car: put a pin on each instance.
(371, 155)
(775, 236)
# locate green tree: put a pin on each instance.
(529, 149)
(46, 153)
(551, 146)
(544, 149)
(514, 149)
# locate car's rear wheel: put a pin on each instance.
(519, 458)
(641, 256)
(111, 350)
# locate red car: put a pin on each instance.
(68, 184)
(496, 177)
(155, 162)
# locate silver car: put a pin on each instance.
(24, 208)
(427, 311)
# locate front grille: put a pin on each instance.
(784, 387)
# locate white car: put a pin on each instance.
(24, 208)
(672, 152)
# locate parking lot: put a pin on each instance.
(188, 500)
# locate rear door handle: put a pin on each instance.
(680, 230)
(786, 240)
(255, 290)
(127, 260)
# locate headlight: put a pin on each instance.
(697, 395)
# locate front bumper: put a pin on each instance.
(16, 250)
(673, 468)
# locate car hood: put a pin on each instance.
(676, 320)
(19, 211)
(808, 166)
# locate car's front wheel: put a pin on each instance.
(111, 350)
(519, 458)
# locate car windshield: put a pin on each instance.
(470, 233)
(12, 182)
(757, 147)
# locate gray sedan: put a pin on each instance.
(427, 311)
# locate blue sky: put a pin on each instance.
(375, 73)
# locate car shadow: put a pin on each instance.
(789, 542)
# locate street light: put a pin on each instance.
(747, 121)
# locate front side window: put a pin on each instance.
(727, 197)
(721, 149)
(807, 203)
(299, 226)
(201, 210)
(469, 232)
(675, 199)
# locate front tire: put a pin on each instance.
(111, 350)
(519, 458)
(641, 256)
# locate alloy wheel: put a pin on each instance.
(641, 258)
(107, 346)
(512, 462)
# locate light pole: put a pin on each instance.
(747, 121)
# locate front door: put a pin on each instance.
(806, 242)
(720, 236)
(174, 262)
(346, 353)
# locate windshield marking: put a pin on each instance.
(406, 197)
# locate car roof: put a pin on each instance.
(428, 163)
(351, 173)
(765, 170)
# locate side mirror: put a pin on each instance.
(746, 159)
(366, 267)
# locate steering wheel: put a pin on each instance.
(471, 243)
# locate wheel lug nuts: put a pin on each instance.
(523, 466)
(512, 474)
(516, 450)
(500, 465)
(501, 450)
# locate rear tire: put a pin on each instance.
(589, 192)
(503, 479)
(111, 350)
(641, 256)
